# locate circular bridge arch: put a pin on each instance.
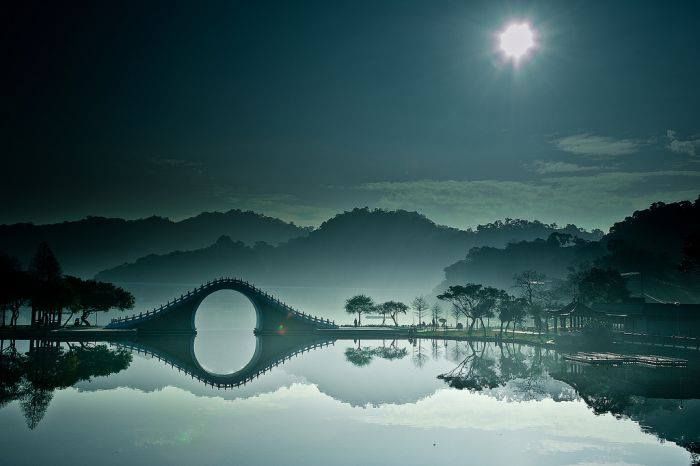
(200, 301)
(178, 316)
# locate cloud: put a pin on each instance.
(597, 146)
(544, 167)
(688, 146)
(592, 201)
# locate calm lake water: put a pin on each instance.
(348, 402)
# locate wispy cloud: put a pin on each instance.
(688, 146)
(545, 167)
(592, 145)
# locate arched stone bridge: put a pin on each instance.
(177, 316)
(270, 352)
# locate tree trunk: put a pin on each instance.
(471, 325)
(84, 318)
(68, 320)
(393, 317)
(483, 327)
(15, 316)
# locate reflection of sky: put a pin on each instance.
(224, 317)
(299, 424)
(320, 409)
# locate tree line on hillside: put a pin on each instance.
(534, 296)
(658, 249)
(360, 247)
(49, 293)
(94, 243)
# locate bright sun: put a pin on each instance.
(516, 40)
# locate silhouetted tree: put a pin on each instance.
(420, 307)
(91, 296)
(488, 301)
(393, 309)
(49, 294)
(456, 314)
(380, 309)
(597, 285)
(511, 310)
(531, 286)
(14, 288)
(474, 301)
(359, 304)
(436, 313)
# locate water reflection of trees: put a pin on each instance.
(419, 354)
(664, 401)
(362, 356)
(482, 365)
(32, 377)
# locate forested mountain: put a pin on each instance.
(87, 246)
(657, 246)
(496, 266)
(362, 247)
(659, 242)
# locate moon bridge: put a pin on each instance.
(178, 316)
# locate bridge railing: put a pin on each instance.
(163, 308)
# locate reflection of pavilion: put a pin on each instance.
(664, 401)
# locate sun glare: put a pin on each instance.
(516, 40)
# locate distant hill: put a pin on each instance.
(653, 242)
(496, 266)
(359, 248)
(87, 246)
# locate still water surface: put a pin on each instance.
(352, 402)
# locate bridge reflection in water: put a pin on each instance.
(168, 332)
(270, 351)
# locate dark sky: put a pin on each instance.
(303, 109)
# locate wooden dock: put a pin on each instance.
(619, 359)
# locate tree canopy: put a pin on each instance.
(359, 304)
(597, 285)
